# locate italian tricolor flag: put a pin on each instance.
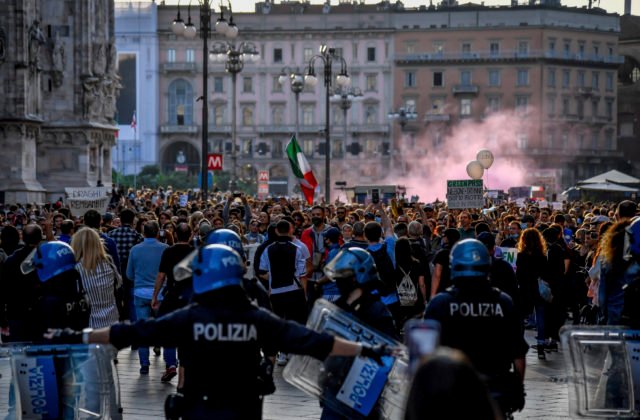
(301, 169)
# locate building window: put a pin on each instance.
(551, 77)
(438, 48)
(595, 80)
(493, 103)
(581, 51)
(171, 55)
(247, 84)
(609, 82)
(580, 141)
(277, 114)
(190, 56)
(608, 140)
(465, 77)
(410, 47)
(567, 50)
(437, 105)
(371, 54)
(523, 77)
(522, 141)
(307, 53)
(522, 103)
(370, 114)
(580, 78)
(218, 115)
(307, 146)
(180, 103)
(566, 78)
(595, 137)
(277, 55)
(410, 79)
(247, 115)
(438, 79)
(494, 78)
(551, 106)
(338, 52)
(551, 138)
(552, 47)
(277, 149)
(594, 108)
(372, 82)
(370, 147)
(565, 106)
(523, 48)
(564, 140)
(218, 84)
(465, 107)
(338, 115)
(596, 50)
(580, 108)
(308, 112)
(277, 86)
(609, 109)
(494, 49)
(466, 49)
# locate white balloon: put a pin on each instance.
(485, 157)
(475, 169)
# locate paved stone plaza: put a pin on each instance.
(143, 397)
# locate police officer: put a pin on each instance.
(354, 273)
(471, 313)
(221, 325)
(60, 300)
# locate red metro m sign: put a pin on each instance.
(214, 162)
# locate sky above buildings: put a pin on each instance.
(614, 6)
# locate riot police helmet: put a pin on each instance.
(225, 237)
(215, 267)
(49, 259)
(469, 258)
(352, 262)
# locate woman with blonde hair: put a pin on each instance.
(99, 277)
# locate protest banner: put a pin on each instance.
(184, 198)
(81, 200)
(465, 194)
(509, 255)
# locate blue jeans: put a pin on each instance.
(144, 311)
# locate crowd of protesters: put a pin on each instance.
(576, 250)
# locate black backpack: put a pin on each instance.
(385, 269)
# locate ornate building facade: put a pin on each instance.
(59, 73)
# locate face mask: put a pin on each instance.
(378, 219)
(345, 285)
(513, 236)
(317, 221)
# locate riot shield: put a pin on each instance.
(353, 387)
(603, 365)
(58, 382)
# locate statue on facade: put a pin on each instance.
(91, 97)
(57, 61)
(36, 39)
(112, 64)
(99, 59)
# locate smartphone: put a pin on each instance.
(162, 233)
(375, 195)
(422, 338)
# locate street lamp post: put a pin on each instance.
(296, 81)
(327, 56)
(235, 62)
(404, 116)
(234, 58)
(344, 97)
(188, 30)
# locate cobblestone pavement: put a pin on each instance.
(143, 396)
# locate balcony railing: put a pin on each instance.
(179, 67)
(220, 128)
(506, 55)
(465, 89)
(178, 129)
(436, 117)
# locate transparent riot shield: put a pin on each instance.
(603, 365)
(58, 382)
(351, 386)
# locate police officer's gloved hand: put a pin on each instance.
(375, 352)
(64, 336)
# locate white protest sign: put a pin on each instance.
(81, 200)
(250, 252)
(465, 194)
(184, 198)
(510, 255)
